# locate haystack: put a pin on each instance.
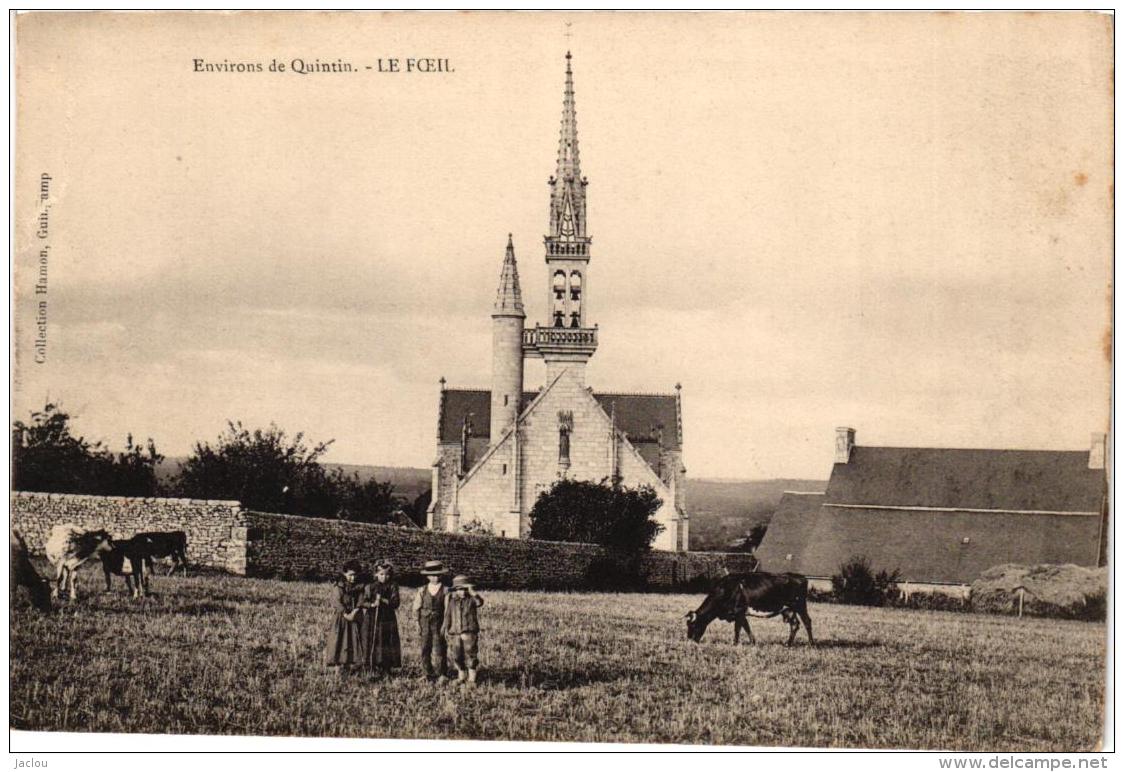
(1063, 591)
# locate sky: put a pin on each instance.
(899, 223)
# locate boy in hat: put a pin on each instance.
(462, 628)
(430, 607)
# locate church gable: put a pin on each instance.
(651, 422)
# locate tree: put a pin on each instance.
(265, 470)
(366, 502)
(46, 456)
(611, 515)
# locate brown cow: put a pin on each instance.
(771, 594)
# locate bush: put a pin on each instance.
(857, 584)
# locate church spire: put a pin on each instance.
(567, 195)
(509, 298)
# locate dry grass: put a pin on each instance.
(223, 655)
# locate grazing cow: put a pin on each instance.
(771, 594)
(68, 547)
(164, 544)
(126, 559)
(23, 574)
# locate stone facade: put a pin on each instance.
(526, 461)
(216, 530)
(291, 547)
(563, 431)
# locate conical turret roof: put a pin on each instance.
(509, 298)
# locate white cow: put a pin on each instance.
(68, 547)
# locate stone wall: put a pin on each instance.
(308, 548)
(222, 535)
(216, 530)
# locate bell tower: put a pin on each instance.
(567, 340)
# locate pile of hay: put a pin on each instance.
(1062, 591)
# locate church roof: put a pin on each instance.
(1042, 480)
(646, 419)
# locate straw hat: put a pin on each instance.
(461, 581)
(433, 568)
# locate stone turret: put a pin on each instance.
(507, 347)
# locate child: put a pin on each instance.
(380, 622)
(345, 646)
(463, 629)
(430, 608)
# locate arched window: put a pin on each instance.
(559, 284)
(557, 318)
(575, 285)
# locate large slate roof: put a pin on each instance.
(1041, 480)
(639, 416)
(934, 537)
(927, 546)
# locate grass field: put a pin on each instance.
(224, 655)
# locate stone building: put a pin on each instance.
(498, 449)
(941, 516)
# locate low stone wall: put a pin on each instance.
(216, 530)
(220, 534)
(291, 547)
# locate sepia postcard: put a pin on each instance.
(667, 379)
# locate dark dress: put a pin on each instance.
(380, 626)
(345, 645)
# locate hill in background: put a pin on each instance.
(721, 510)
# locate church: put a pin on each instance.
(499, 449)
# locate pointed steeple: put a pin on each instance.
(569, 166)
(509, 298)
(567, 195)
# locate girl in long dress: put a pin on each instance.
(345, 644)
(380, 625)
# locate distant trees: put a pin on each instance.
(264, 469)
(48, 457)
(269, 471)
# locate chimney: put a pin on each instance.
(844, 442)
(1097, 451)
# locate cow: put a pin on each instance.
(23, 574)
(68, 547)
(735, 595)
(164, 544)
(126, 559)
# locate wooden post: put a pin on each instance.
(1022, 591)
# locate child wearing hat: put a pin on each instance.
(345, 646)
(462, 628)
(429, 605)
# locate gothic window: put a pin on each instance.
(559, 285)
(565, 426)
